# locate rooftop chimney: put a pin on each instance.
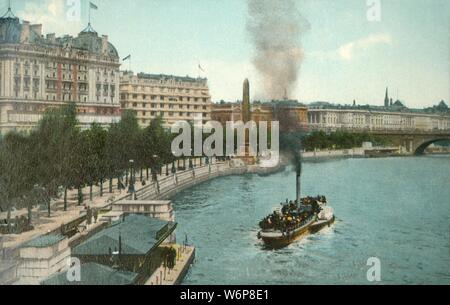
(25, 33)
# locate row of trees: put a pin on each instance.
(58, 156)
(340, 140)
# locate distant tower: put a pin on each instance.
(246, 112)
(391, 101)
(285, 95)
(386, 99)
(247, 117)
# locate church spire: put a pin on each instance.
(386, 99)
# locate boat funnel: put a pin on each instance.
(298, 164)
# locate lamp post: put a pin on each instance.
(174, 168)
(155, 166)
(191, 165)
(131, 189)
(174, 164)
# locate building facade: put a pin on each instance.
(232, 112)
(354, 119)
(37, 73)
(292, 117)
(173, 98)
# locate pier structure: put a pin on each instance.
(132, 244)
(161, 209)
(166, 277)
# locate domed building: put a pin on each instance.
(38, 72)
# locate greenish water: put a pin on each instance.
(395, 209)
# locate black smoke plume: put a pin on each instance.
(276, 28)
(291, 145)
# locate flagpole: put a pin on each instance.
(129, 61)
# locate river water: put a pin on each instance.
(394, 209)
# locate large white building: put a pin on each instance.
(174, 98)
(353, 119)
(38, 72)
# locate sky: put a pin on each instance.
(347, 56)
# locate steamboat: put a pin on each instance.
(296, 219)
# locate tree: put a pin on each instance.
(121, 145)
(112, 154)
(156, 145)
(54, 142)
(93, 149)
(16, 174)
(128, 137)
(59, 155)
(341, 140)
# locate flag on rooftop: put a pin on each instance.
(93, 6)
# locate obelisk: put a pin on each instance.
(247, 117)
(246, 113)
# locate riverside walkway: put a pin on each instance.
(164, 276)
(165, 187)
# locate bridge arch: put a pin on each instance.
(420, 150)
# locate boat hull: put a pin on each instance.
(281, 240)
(278, 241)
(319, 225)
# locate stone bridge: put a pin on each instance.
(415, 142)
